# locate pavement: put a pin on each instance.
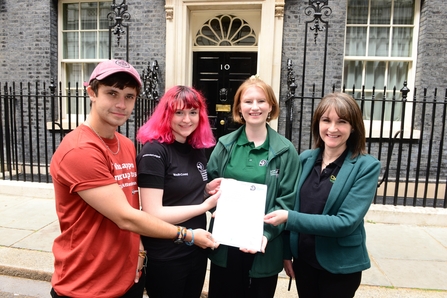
(407, 245)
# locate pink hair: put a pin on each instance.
(158, 127)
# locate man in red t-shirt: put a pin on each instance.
(99, 253)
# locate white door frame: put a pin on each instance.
(179, 37)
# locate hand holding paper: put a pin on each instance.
(240, 214)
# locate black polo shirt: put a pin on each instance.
(313, 196)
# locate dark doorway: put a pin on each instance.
(218, 75)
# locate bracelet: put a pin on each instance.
(142, 254)
(181, 234)
(189, 243)
(184, 234)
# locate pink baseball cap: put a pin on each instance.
(109, 67)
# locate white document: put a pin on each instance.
(239, 220)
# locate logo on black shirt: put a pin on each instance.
(202, 171)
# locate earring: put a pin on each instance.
(268, 117)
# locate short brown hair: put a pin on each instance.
(269, 94)
(346, 108)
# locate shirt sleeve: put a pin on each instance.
(150, 181)
(151, 165)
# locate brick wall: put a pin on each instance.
(25, 40)
(28, 38)
(431, 67)
(147, 36)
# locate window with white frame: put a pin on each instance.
(83, 42)
(380, 51)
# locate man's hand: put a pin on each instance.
(140, 265)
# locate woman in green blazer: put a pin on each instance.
(335, 189)
(258, 154)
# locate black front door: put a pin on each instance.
(218, 75)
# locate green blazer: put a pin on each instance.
(339, 231)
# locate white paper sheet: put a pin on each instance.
(239, 220)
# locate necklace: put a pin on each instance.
(326, 164)
(114, 153)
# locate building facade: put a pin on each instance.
(377, 42)
(366, 46)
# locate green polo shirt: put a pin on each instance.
(247, 162)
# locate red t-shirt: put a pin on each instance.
(93, 257)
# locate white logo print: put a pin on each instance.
(202, 171)
(263, 163)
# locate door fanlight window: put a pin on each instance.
(226, 30)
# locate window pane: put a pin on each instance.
(387, 39)
(88, 45)
(71, 17)
(397, 74)
(88, 69)
(74, 73)
(206, 37)
(88, 15)
(104, 9)
(402, 42)
(393, 108)
(357, 12)
(373, 108)
(226, 30)
(380, 12)
(367, 106)
(375, 75)
(355, 41)
(244, 36)
(378, 41)
(70, 45)
(382, 108)
(104, 45)
(353, 71)
(403, 12)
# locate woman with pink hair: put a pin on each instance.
(174, 186)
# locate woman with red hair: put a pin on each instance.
(173, 185)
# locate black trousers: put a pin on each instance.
(234, 280)
(318, 283)
(136, 291)
(178, 278)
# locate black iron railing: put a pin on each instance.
(412, 147)
(36, 117)
(407, 134)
